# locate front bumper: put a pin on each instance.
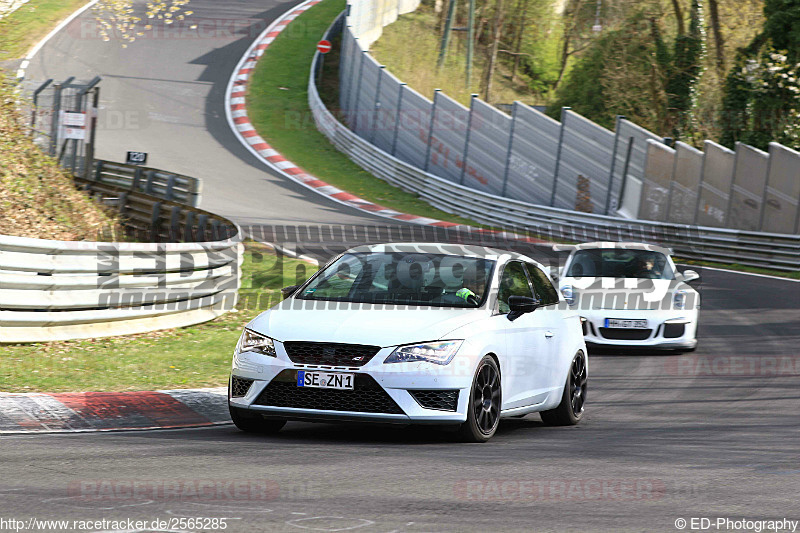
(397, 381)
(665, 330)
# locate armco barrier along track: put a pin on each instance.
(56, 290)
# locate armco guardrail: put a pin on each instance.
(776, 251)
(55, 290)
(167, 185)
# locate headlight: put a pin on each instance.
(679, 300)
(439, 353)
(569, 294)
(250, 341)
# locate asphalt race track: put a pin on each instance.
(164, 95)
(709, 434)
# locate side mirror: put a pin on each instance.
(690, 275)
(288, 291)
(519, 305)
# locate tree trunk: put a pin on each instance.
(570, 23)
(679, 16)
(498, 26)
(520, 31)
(719, 43)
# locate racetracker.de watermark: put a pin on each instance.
(559, 490)
(733, 365)
(191, 490)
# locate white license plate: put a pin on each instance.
(623, 323)
(325, 380)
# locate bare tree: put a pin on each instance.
(676, 5)
(520, 31)
(719, 42)
(498, 26)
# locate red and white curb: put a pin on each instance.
(236, 112)
(70, 412)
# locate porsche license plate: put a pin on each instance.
(325, 380)
(624, 323)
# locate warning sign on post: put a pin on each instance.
(74, 124)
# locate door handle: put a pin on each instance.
(548, 334)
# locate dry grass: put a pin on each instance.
(37, 198)
(416, 65)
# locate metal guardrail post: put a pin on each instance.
(377, 105)
(700, 187)
(398, 117)
(137, 177)
(730, 191)
(510, 146)
(672, 181)
(155, 221)
(188, 226)
(628, 155)
(36, 94)
(613, 165)
(465, 152)
(174, 218)
(430, 128)
(558, 154)
(763, 211)
(170, 194)
(358, 91)
(148, 187)
(55, 120)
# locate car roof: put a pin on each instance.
(464, 250)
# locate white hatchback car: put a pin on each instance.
(414, 333)
(630, 294)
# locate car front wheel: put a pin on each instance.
(483, 408)
(573, 400)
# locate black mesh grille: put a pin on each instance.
(366, 397)
(443, 400)
(673, 331)
(240, 386)
(329, 353)
(621, 334)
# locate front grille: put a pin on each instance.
(240, 386)
(330, 353)
(367, 396)
(443, 400)
(621, 334)
(673, 331)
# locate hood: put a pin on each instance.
(632, 294)
(376, 325)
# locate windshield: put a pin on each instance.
(403, 278)
(620, 263)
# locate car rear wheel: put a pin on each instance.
(251, 423)
(483, 408)
(573, 400)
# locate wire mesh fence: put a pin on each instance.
(63, 121)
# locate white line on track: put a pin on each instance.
(38, 46)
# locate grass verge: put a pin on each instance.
(194, 356)
(277, 104)
(30, 23)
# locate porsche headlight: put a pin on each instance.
(439, 353)
(679, 300)
(250, 341)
